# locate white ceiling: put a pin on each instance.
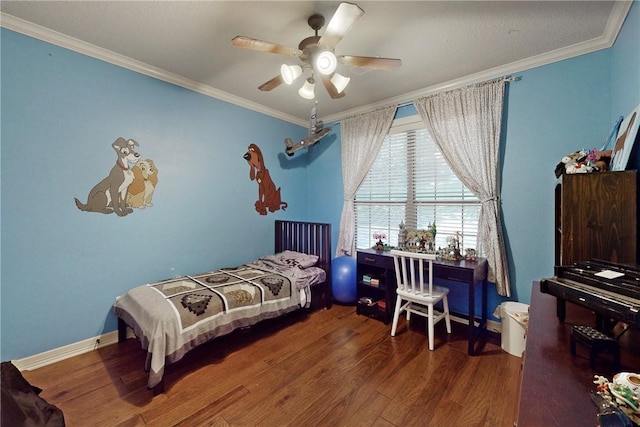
(441, 44)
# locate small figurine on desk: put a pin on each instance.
(379, 246)
(452, 252)
(470, 254)
(402, 235)
(423, 238)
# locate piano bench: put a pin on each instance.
(596, 342)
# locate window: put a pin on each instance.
(410, 182)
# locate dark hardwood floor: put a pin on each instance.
(328, 368)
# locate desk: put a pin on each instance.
(470, 273)
(556, 386)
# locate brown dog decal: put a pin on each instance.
(145, 180)
(268, 195)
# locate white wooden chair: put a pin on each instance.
(419, 296)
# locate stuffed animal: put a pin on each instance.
(600, 159)
(584, 161)
(573, 163)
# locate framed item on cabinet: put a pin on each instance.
(627, 134)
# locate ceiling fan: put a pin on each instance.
(317, 54)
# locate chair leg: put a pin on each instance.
(447, 319)
(396, 314)
(430, 328)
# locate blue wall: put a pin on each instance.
(552, 111)
(625, 65)
(625, 75)
(62, 268)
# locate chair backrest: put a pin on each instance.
(405, 265)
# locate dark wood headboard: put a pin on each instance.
(307, 237)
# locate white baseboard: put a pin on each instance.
(492, 325)
(62, 353)
(65, 352)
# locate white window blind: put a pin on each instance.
(410, 182)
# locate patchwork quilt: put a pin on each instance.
(174, 316)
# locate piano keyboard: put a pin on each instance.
(615, 294)
(616, 298)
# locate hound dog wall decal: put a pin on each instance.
(268, 196)
(123, 187)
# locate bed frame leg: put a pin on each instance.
(328, 298)
(322, 297)
(158, 389)
(122, 330)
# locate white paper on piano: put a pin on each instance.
(609, 274)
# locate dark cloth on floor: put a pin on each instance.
(21, 405)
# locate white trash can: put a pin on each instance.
(515, 318)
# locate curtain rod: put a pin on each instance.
(509, 79)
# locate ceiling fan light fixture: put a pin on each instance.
(340, 82)
(326, 62)
(307, 90)
(290, 72)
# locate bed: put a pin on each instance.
(174, 316)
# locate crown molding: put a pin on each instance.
(612, 28)
(27, 28)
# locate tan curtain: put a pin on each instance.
(466, 124)
(362, 137)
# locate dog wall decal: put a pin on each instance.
(145, 180)
(268, 195)
(110, 194)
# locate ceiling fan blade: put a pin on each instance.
(333, 92)
(341, 22)
(370, 62)
(271, 84)
(255, 44)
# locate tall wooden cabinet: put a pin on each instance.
(596, 217)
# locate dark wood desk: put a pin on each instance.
(470, 273)
(556, 386)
